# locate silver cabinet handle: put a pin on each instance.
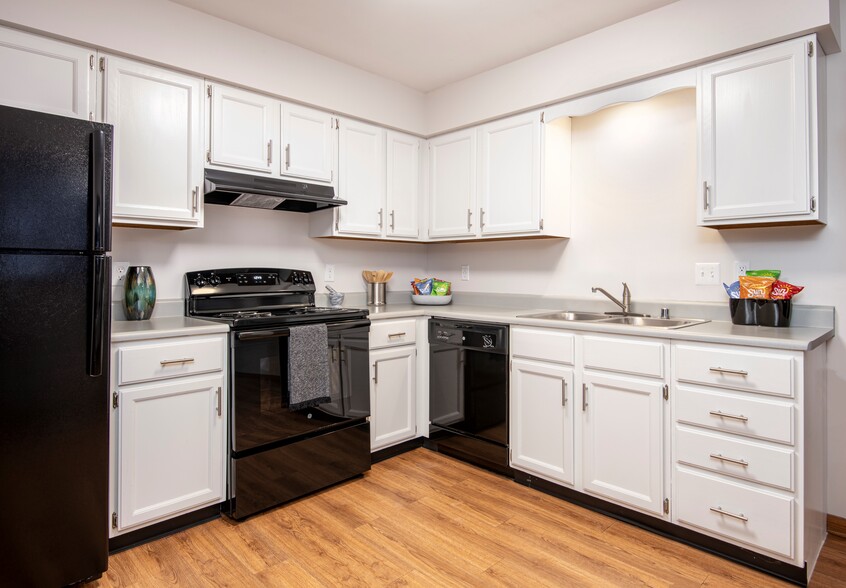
(393, 335)
(392, 221)
(705, 190)
(719, 510)
(481, 218)
(184, 360)
(195, 198)
(469, 216)
(269, 152)
(584, 397)
(219, 402)
(287, 156)
(725, 415)
(381, 211)
(563, 392)
(375, 372)
(720, 457)
(720, 370)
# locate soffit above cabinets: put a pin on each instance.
(425, 45)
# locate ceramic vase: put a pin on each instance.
(139, 292)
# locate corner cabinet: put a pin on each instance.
(452, 185)
(168, 429)
(158, 147)
(758, 137)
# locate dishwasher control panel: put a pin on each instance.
(483, 336)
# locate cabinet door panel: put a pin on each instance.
(755, 135)
(361, 178)
(541, 435)
(46, 75)
(622, 434)
(510, 154)
(170, 448)
(452, 187)
(403, 178)
(242, 128)
(394, 396)
(307, 143)
(158, 167)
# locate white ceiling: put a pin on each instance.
(425, 44)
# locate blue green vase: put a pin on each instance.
(139, 292)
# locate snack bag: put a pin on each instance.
(764, 273)
(756, 287)
(424, 287)
(733, 291)
(440, 288)
(784, 291)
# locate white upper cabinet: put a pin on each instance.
(403, 186)
(510, 175)
(158, 146)
(758, 145)
(361, 178)
(452, 185)
(242, 128)
(46, 75)
(308, 143)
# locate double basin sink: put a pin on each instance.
(635, 321)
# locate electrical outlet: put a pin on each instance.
(329, 273)
(740, 268)
(119, 272)
(465, 272)
(707, 274)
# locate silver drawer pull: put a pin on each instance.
(740, 462)
(184, 360)
(725, 415)
(394, 335)
(739, 517)
(720, 370)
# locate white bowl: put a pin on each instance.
(431, 300)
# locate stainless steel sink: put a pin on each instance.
(568, 315)
(645, 321)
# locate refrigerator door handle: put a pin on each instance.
(98, 191)
(100, 279)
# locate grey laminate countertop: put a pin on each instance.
(169, 326)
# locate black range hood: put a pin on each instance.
(232, 189)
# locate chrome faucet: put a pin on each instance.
(627, 297)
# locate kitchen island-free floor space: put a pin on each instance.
(425, 519)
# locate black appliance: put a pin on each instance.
(55, 276)
(468, 392)
(278, 454)
(234, 189)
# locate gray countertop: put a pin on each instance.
(169, 326)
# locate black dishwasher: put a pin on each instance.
(468, 392)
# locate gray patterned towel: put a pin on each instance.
(308, 366)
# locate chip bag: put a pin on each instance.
(764, 273)
(440, 288)
(758, 287)
(733, 291)
(784, 291)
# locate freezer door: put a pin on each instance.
(55, 182)
(53, 418)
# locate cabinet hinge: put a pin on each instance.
(666, 506)
(208, 90)
(102, 64)
(666, 391)
(114, 520)
(542, 113)
(337, 222)
(540, 225)
(91, 116)
(810, 48)
(208, 155)
(510, 364)
(813, 203)
(91, 62)
(115, 401)
(331, 176)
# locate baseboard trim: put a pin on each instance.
(836, 525)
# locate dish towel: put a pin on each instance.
(308, 366)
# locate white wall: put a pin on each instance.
(179, 37)
(235, 236)
(669, 38)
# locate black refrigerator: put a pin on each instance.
(55, 280)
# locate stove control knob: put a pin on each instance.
(200, 281)
(214, 280)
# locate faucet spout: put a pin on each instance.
(627, 297)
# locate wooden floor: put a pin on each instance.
(423, 519)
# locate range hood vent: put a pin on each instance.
(232, 189)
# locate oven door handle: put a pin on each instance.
(285, 331)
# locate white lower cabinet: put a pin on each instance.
(393, 383)
(168, 429)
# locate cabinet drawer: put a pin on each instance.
(740, 368)
(169, 358)
(392, 333)
(543, 344)
(735, 457)
(764, 419)
(720, 506)
(628, 356)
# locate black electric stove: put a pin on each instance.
(277, 453)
